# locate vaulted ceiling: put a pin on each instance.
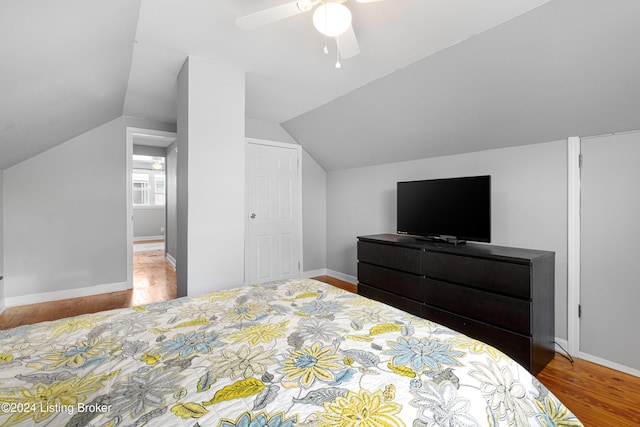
(434, 77)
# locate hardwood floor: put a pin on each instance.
(599, 396)
(338, 283)
(154, 278)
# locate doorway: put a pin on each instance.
(151, 195)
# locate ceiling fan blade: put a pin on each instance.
(348, 43)
(267, 16)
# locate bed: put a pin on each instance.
(297, 352)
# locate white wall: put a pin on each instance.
(267, 130)
(148, 150)
(148, 221)
(529, 203)
(182, 184)
(314, 197)
(65, 217)
(65, 214)
(314, 214)
(211, 132)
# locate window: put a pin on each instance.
(140, 189)
(159, 190)
(148, 181)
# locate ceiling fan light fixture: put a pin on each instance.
(332, 19)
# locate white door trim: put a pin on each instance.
(573, 244)
(167, 137)
(298, 149)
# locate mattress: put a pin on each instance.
(298, 352)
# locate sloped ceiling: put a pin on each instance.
(434, 77)
(568, 68)
(63, 71)
(286, 72)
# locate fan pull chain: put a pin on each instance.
(338, 65)
(326, 49)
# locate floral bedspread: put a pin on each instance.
(297, 353)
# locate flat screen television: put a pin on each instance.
(451, 209)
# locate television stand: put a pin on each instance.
(499, 295)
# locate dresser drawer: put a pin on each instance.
(496, 276)
(394, 281)
(410, 306)
(390, 256)
(517, 346)
(506, 312)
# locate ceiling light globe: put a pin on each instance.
(332, 19)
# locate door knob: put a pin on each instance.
(253, 216)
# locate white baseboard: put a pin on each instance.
(561, 345)
(314, 273)
(594, 359)
(608, 364)
(329, 272)
(144, 238)
(342, 276)
(170, 258)
(65, 294)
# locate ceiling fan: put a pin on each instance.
(331, 18)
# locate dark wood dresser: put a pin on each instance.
(500, 295)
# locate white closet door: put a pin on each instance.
(274, 214)
(610, 249)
